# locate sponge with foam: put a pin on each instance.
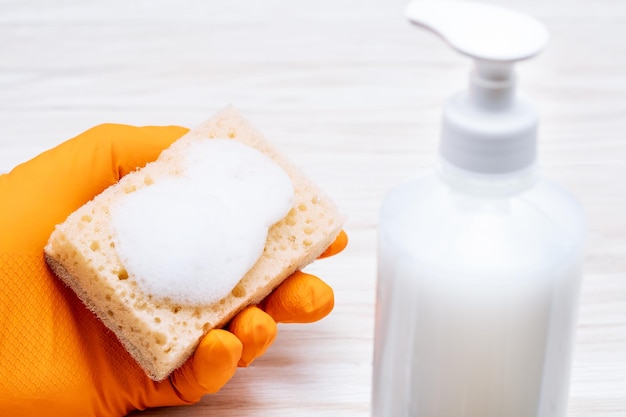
(180, 246)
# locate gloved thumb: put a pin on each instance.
(40, 193)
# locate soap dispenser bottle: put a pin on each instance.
(479, 262)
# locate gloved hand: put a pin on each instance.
(56, 357)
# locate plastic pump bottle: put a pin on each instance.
(480, 262)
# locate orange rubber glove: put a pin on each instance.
(56, 357)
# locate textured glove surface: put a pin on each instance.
(56, 357)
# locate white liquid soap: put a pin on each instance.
(480, 262)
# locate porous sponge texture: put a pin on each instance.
(158, 333)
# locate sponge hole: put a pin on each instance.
(95, 246)
(160, 339)
(239, 291)
(122, 274)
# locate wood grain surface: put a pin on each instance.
(353, 94)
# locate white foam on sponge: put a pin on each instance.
(191, 238)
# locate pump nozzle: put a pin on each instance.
(481, 31)
(487, 129)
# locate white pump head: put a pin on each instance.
(487, 129)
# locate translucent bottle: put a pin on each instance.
(479, 262)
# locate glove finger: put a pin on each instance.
(213, 364)
(256, 330)
(301, 298)
(340, 243)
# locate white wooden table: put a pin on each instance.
(353, 94)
